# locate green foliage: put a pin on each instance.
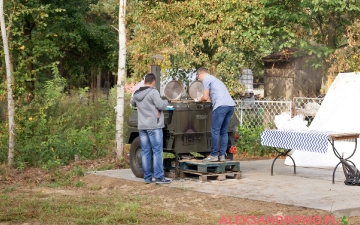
(60, 178)
(77, 171)
(228, 36)
(105, 167)
(197, 155)
(55, 127)
(62, 45)
(249, 142)
(51, 165)
(168, 155)
(347, 58)
(9, 189)
(78, 184)
(252, 117)
(69, 34)
(47, 134)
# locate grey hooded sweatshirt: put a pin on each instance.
(149, 106)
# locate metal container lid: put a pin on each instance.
(173, 90)
(196, 89)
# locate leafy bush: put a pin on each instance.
(54, 126)
(249, 143)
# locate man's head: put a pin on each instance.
(201, 73)
(150, 80)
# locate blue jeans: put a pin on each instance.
(152, 141)
(219, 129)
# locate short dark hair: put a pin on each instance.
(202, 70)
(149, 78)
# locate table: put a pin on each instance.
(347, 170)
(310, 140)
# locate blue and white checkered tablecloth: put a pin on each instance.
(312, 141)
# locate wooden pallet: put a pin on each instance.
(209, 176)
(232, 166)
(170, 174)
(209, 167)
(202, 167)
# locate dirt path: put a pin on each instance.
(184, 205)
(213, 209)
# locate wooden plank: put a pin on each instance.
(234, 175)
(232, 166)
(344, 136)
(202, 167)
(170, 174)
(205, 177)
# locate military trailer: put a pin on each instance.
(187, 130)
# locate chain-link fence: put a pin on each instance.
(306, 106)
(255, 113)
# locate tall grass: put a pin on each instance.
(112, 208)
(56, 126)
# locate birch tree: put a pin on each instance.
(121, 82)
(9, 86)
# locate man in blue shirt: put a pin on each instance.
(223, 109)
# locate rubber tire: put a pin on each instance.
(135, 158)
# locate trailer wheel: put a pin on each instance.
(229, 156)
(135, 158)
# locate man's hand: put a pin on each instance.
(196, 100)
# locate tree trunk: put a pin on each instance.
(30, 86)
(98, 81)
(98, 85)
(92, 84)
(11, 108)
(121, 82)
(332, 31)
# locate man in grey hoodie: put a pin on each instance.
(150, 123)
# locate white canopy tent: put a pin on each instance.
(340, 112)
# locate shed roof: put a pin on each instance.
(284, 55)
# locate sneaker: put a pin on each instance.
(222, 158)
(163, 181)
(148, 181)
(211, 158)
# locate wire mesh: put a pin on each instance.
(255, 113)
(306, 107)
(262, 113)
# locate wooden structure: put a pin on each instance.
(204, 171)
(288, 75)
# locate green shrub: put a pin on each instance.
(250, 143)
(54, 126)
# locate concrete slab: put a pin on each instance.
(310, 187)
